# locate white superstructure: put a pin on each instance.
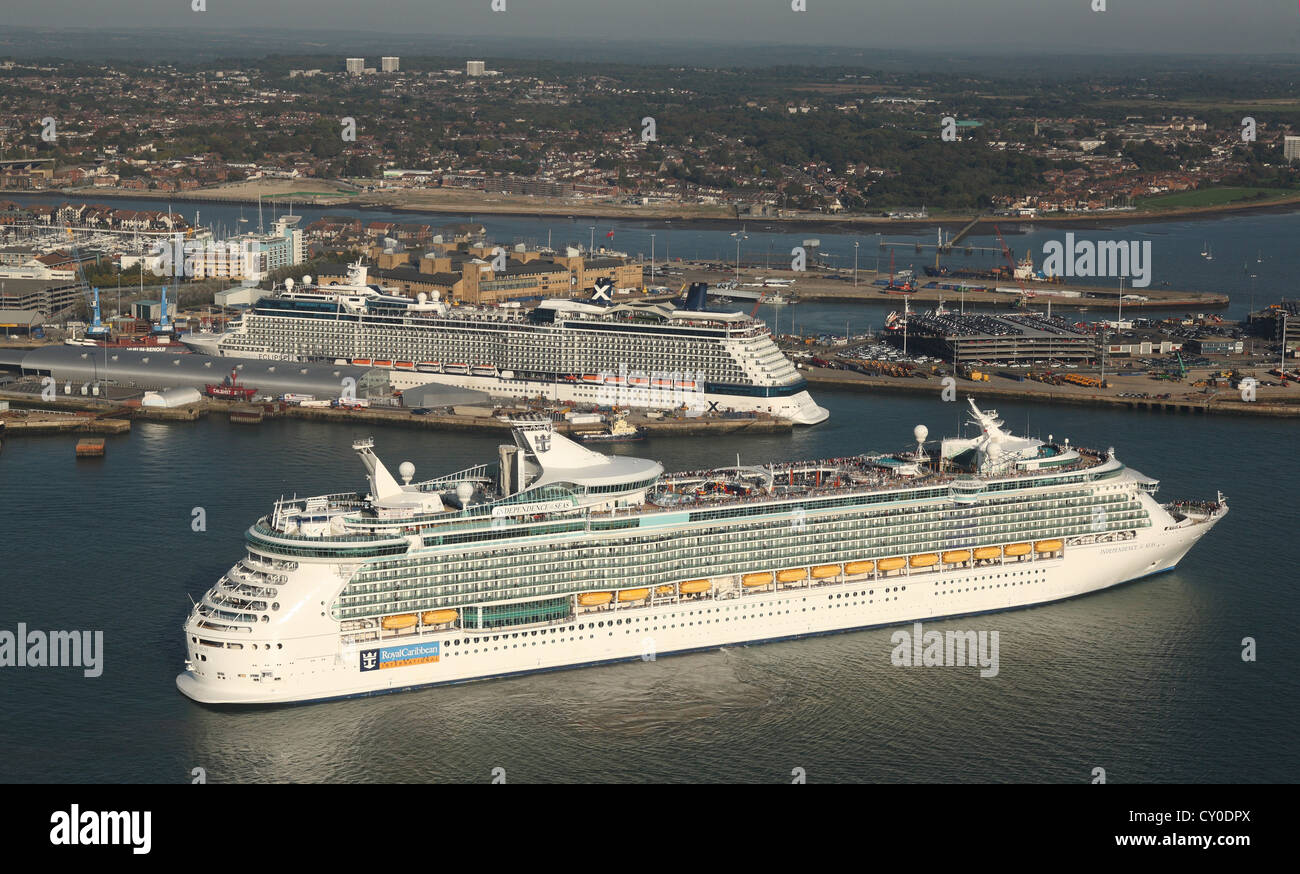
(557, 556)
(650, 355)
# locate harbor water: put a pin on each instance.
(1145, 681)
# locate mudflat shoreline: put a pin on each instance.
(520, 206)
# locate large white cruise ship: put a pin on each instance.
(556, 556)
(652, 355)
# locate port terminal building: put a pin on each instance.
(996, 339)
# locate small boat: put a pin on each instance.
(759, 579)
(956, 556)
(694, 587)
(891, 564)
(633, 595)
(986, 552)
(792, 575)
(398, 622)
(619, 432)
(1016, 549)
(361, 362)
(925, 559)
(595, 599)
(854, 568)
(825, 571)
(90, 447)
(1048, 546)
(439, 617)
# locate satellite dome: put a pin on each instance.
(464, 492)
(920, 432)
(306, 279)
(406, 470)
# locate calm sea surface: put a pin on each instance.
(1146, 681)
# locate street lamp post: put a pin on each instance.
(739, 236)
(855, 264)
(592, 248)
(652, 258)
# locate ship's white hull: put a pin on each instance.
(798, 408)
(324, 667)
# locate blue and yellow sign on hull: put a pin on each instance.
(399, 656)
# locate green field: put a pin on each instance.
(1211, 197)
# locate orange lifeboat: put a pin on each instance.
(694, 587)
(664, 590)
(633, 595)
(925, 559)
(792, 575)
(956, 556)
(986, 552)
(1016, 549)
(761, 579)
(396, 623)
(862, 567)
(822, 571)
(595, 599)
(891, 564)
(439, 617)
(1048, 545)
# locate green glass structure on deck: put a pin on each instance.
(505, 615)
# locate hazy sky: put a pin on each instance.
(1237, 26)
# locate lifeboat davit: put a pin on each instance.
(439, 617)
(822, 571)
(1016, 549)
(792, 575)
(761, 579)
(985, 552)
(595, 599)
(633, 595)
(925, 559)
(956, 556)
(693, 587)
(891, 564)
(395, 623)
(1048, 545)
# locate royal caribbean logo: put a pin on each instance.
(399, 656)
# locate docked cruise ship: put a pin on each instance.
(555, 556)
(651, 355)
